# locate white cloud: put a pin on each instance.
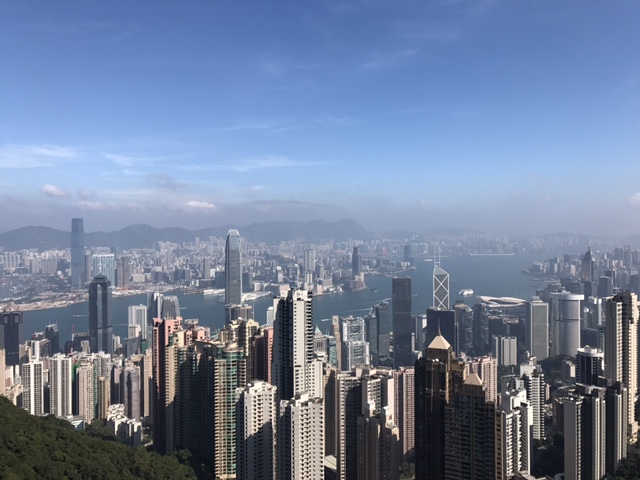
(53, 191)
(634, 200)
(196, 205)
(32, 156)
(85, 193)
(250, 164)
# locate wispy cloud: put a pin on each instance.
(53, 191)
(634, 200)
(164, 181)
(33, 156)
(342, 121)
(250, 164)
(85, 193)
(199, 206)
(389, 59)
(133, 160)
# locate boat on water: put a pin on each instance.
(465, 292)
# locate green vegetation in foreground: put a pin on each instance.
(48, 448)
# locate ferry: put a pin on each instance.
(465, 292)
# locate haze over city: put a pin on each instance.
(507, 117)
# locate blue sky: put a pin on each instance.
(509, 117)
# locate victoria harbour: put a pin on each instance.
(493, 275)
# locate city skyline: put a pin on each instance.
(192, 116)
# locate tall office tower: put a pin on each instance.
(11, 334)
(533, 377)
(536, 328)
(78, 270)
(238, 312)
(33, 387)
(589, 365)
(588, 273)
(403, 325)
(355, 349)
(123, 271)
(100, 327)
(487, 369)
(469, 440)
(513, 438)
(440, 288)
(130, 382)
(143, 363)
(335, 328)
(60, 380)
(371, 337)
(85, 387)
(293, 369)
(383, 325)
(163, 383)
(256, 417)
(301, 439)
(605, 286)
(378, 446)
(404, 415)
(104, 394)
(154, 306)
(565, 323)
(621, 348)
(309, 264)
(138, 317)
(438, 376)
(464, 321)
(3, 371)
(233, 269)
(356, 262)
(505, 349)
(170, 307)
(262, 354)
(442, 322)
(52, 334)
(617, 424)
(105, 264)
(230, 373)
(585, 433)
(408, 254)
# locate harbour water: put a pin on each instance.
(486, 275)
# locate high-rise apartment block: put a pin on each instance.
(621, 348)
(256, 420)
(60, 381)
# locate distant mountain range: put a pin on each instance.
(144, 236)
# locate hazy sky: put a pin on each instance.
(506, 116)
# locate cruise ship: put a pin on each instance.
(465, 292)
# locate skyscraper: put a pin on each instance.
(440, 288)
(513, 437)
(301, 439)
(293, 371)
(105, 264)
(256, 417)
(469, 439)
(33, 387)
(11, 334)
(403, 324)
(100, 327)
(438, 377)
(536, 328)
(621, 348)
(588, 273)
(356, 262)
(233, 269)
(589, 365)
(309, 264)
(78, 271)
(565, 321)
(138, 317)
(61, 385)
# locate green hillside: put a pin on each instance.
(48, 448)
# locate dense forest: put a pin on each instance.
(48, 448)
